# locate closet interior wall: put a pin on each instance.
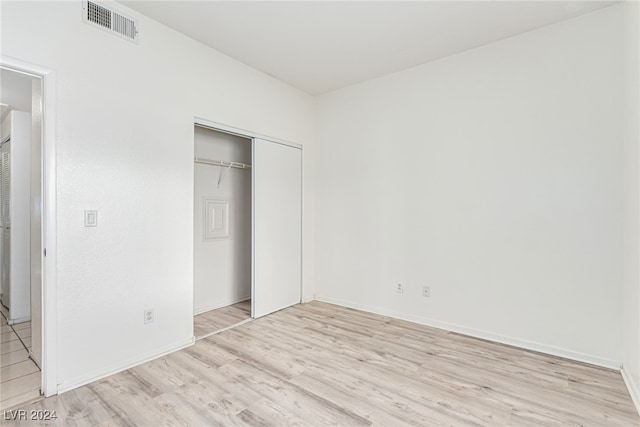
(222, 265)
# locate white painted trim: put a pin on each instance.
(122, 366)
(240, 132)
(302, 215)
(220, 305)
(634, 391)
(253, 229)
(49, 212)
(502, 339)
(19, 320)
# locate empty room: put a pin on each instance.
(320, 213)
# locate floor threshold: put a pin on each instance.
(223, 329)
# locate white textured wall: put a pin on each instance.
(222, 267)
(494, 176)
(631, 230)
(125, 116)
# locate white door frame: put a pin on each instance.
(48, 181)
(198, 121)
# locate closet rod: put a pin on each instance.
(222, 163)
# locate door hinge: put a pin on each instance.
(45, 251)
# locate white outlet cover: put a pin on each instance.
(148, 315)
(90, 218)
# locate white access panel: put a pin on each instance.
(277, 226)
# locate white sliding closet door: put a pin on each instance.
(277, 221)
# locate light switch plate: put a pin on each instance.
(90, 218)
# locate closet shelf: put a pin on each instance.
(222, 163)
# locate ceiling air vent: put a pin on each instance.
(109, 20)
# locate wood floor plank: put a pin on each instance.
(115, 421)
(191, 411)
(20, 400)
(24, 333)
(12, 357)
(221, 318)
(209, 354)
(11, 389)
(11, 346)
(17, 370)
(340, 368)
(80, 407)
(267, 413)
(290, 397)
(8, 336)
(318, 364)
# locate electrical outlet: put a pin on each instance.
(399, 288)
(148, 315)
(426, 291)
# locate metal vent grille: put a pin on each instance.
(98, 15)
(124, 26)
(110, 20)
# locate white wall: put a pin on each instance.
(222, 267)
(494, 177)
(631, 229)
(125, 117)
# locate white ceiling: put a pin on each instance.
(325, 45)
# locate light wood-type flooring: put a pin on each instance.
(318, 364)
(19, 376)
(221, 318)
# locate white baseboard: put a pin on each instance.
(632, 386)
(123, 366)
(18, 320)
(477, 333)
(219, 305)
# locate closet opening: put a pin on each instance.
(222, 271)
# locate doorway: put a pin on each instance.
(21, 237)
(247, 226)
